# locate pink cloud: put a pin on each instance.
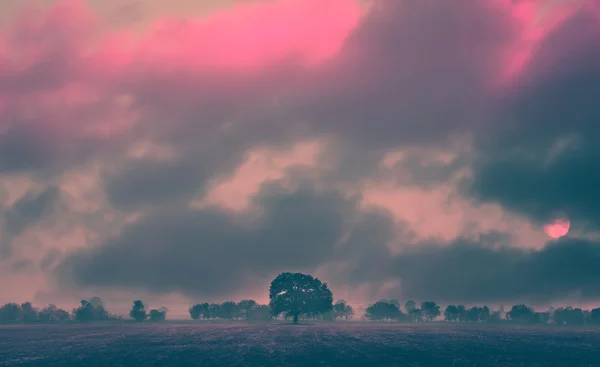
(61, 57)
(64, 64)
(251, 36)
(537, 23)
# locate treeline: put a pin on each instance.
(384, 310)
(298, 296)
(88, 310)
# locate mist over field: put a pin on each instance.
(304, 345)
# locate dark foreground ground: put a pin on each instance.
(304, 345)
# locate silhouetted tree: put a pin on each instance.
(85, 312)
(463, 315)
(228, 310)
(494, 318)
(395, 302)
(297, 293)
(342, 310)
(348, 312)
(430, 310)
(595, 316)
(415, 315)
(100, 313)
(214, 310)
(138, 311)
(28, 312)
(410, 305)
(379, 311)
(199, 310)
(53, 313)
(91, 310)
(484, 316)
(10, 312)
(383, 311)
(338, 308)
(245, 307)
(522, 314)
(569, 316)
(451, 313)
(195, 311)
(158, 315)
(478, 314)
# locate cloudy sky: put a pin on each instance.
(394, 148)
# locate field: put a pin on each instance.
(371, 345)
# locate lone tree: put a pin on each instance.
(297, 294)
(138, 311)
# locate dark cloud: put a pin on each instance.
(21, 151)
(491, 271)
(26, 211)
(542, 155)
(413, 73)
(146, 181)
(211, 252)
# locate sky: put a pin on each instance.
(395, 149)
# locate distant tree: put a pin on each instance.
(415, 315)
(451, 313)
(28, 312)
(379, 311)
(342, 309)
(473, 314)
(430, 310)
(595, 316)
(158, 315)
(543, 317)
(395, 302)
(228, 310)
(522, 314)
(195, 311)
(245, 307)
(348, 312)
(484, 316)
(463, 315)
(85, 312)
(396, 313)
(296, 294)
(339, 308)
(213, 311)
(92, 309)
(494, 318)
(200, 310)
(569, 316)
(53, 313)
(260, 313)
(410, 305)
(138, 311)
(100, 312)
(10, 312)
(478, 314)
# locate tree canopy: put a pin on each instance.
(295, 294)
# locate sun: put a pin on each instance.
(558, 227)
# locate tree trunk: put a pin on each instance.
(295, 319)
